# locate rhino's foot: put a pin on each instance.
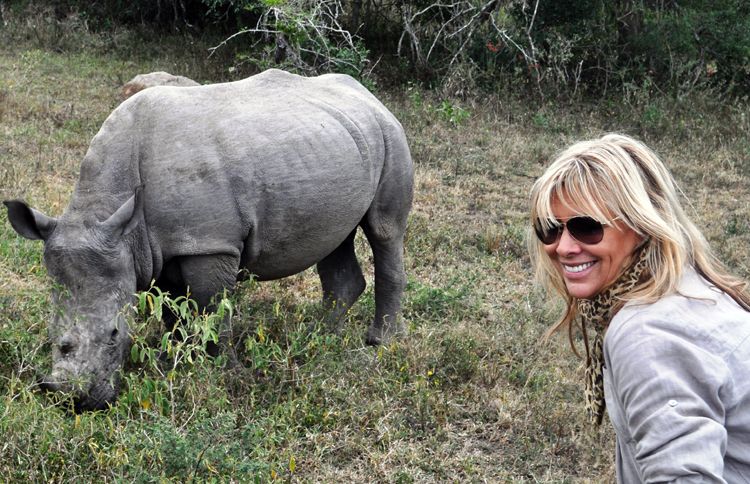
(385, 333)
(333, 322)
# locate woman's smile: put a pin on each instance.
(577, 270)
(587, 269)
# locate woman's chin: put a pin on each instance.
(581, 289)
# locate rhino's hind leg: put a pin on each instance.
(390, 281)
(342, 280)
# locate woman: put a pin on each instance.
(674, 367)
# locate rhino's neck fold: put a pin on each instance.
(146, 257)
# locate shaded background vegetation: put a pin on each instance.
(558, 48)
(487, 92)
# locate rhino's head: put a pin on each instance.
(92, 266)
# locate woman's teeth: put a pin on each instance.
(578, 268)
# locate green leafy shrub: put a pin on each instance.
(167, 365)
(452, 113)
(680, 46)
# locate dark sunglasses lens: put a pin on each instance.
(586, 230)
(547, 236)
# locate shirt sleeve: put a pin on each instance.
(669, 388)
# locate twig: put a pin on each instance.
(442, 28)
(198, 462)
(409, 29)
(577, 74)
(241, 32)
(533, 50)
(471, 20)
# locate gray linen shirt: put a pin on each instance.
(677, 386)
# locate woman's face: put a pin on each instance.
(588, 269)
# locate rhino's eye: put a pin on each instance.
(114, 333)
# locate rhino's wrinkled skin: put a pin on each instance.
(190, 185)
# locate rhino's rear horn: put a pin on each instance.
(127, 217)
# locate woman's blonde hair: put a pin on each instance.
(618, 178)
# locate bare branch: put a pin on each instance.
(319, 35)
(508, 39)
(471, 21)
(224, 42)
(533, 18)
(434, 5)
(409, 29)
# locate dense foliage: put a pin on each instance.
(555, 48)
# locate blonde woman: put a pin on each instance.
(666, 329)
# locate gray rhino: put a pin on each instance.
(159, 78)
(188, 186)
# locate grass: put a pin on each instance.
(471, 394)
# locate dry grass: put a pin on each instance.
(470, 395)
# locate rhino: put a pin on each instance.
(191, 186)
(159, 78)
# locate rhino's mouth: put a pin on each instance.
(99, 396)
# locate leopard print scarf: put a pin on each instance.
(597, 313)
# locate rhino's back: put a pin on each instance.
(269, 166)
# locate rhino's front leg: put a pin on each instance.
(206, 277)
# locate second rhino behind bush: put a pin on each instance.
(152, 79)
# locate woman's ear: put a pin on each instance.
(644, 240)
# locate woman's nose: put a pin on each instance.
(567, 244)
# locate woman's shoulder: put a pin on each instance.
(697, 313)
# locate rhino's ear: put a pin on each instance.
(28, 222)
(127, 217)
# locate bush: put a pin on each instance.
(676, 47)
(305, 36)
(701, 43)
(553, 48)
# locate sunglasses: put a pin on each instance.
(585, 230)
